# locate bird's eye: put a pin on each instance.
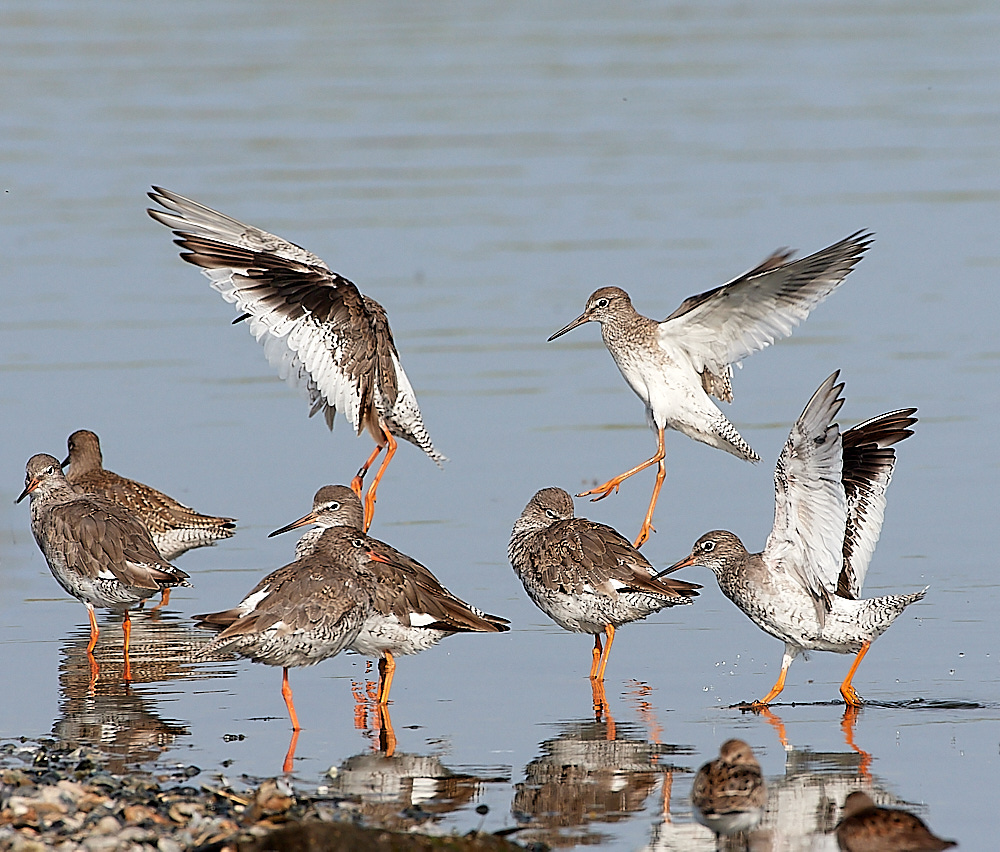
(602, 303)
(358, 542)
(552, 514)
(707, 546)
(334, 506)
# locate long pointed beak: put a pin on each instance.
(580, 320)
(31, 486)
(684, 563)
(304, 521)
(63, 464)
(375, 556)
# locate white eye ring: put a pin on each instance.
(707, 546)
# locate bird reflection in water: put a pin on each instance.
(805, 801)
(405, 791)
(847, 724)
(373, 718)
(100, 709)
(802, 809)
(593, 772)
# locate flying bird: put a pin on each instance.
(676, 365)
(317, 329)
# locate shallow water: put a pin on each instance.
(480, 169)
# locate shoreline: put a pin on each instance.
(59, 796)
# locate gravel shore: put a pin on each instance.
(64, 798)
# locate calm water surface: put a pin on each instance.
(480, 169)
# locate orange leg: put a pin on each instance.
(360, 706)
(359, 480)
(661, 474)
(386, 669)
(386, 737)
(597, 656)
(612, 484)
(164, 599)
(609, 631)
(602, 710)
(776, 723)
(668, 786)
(850, 694)
(127, 630)
(286, 692)
(847, 726)
(286, 767)
(786, 661)
(390, 451)
(94, 632)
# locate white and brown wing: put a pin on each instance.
(869, 460)
(723, 326)
(315, 326)
(408, 590)
(810, 507)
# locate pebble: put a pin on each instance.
(64, 800)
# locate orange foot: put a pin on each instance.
(641, 539)
(602, 490)
(851, 697)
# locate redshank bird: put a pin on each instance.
(411, 610)
(675, 365)
(317, 329)
(585, 576)
(863, 827)
(729, 792)
(97, 551)
(304, 612)
(333, 506)
(804, 587)
(175, 528)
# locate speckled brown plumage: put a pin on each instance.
(729, 792)
(830, 492)
(674, 366)
(584, 575)
(97, 551)
(863, 827)
(411, 610)
(175, 528)
(302, 613)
